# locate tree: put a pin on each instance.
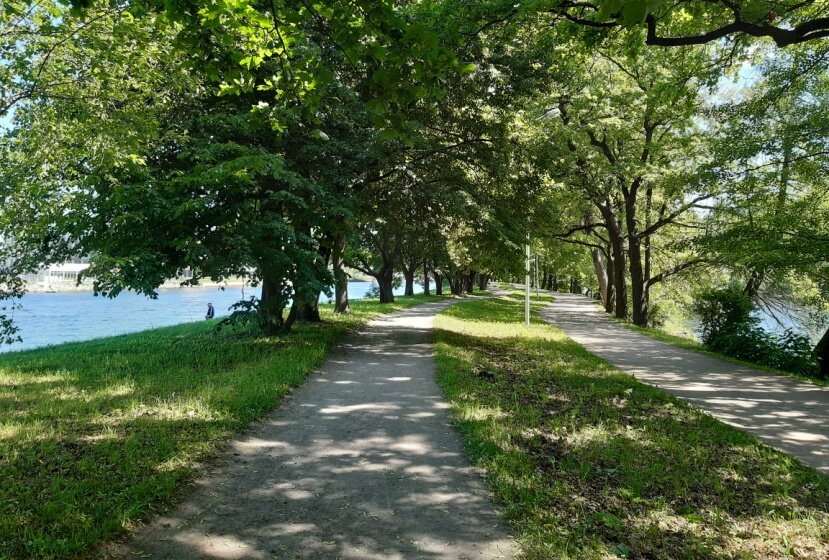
(233, 192)
(213, 182)
(771, 224)
(664, 23)
(625, 138)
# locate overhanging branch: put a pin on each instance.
(806, 31)
(671, 272)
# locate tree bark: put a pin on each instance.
(822, 353)
(272, 306)
(307, 311)
(470, 283)
(617, 250)
(408, 276)
(610, 302)
(438, 283)
(426, 290)
(601, 274)
(341, 304)
(637, 274)
(637, 281)
(457, 283)
(386, 282)
(754, 282)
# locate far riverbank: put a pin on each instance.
(52, 318)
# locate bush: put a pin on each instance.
(657, 315)
(728, 327)
(721, 310)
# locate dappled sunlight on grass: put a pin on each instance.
(96, 434)
(501, 310)
(590, 463)
(483, 413)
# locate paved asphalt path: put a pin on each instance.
(361, 462)
(787, 414)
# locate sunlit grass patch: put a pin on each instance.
(589, 463)
(95, 435)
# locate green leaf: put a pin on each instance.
(634, 12)
(467, 68)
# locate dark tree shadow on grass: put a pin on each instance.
(624, 467)
(98, 433)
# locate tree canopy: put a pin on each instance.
(291, 142)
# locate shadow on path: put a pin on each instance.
(785, 413)
(360, 462)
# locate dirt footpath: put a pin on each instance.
(361, 463)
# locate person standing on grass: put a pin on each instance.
(210, 312)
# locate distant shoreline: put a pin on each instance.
(71, 288)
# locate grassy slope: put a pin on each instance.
(94, 435)
(590, 463)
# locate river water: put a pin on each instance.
(46, 319)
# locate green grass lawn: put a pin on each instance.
(589, 463)
(95, 435)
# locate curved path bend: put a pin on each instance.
(361, 462)
(790, 415)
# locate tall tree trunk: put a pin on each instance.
(340, 277)
(483, 280)
(459, 284)
(601, 273)
(554, 282)
(271, 307)
(610, 303)
(308, 304)
(307, 308)
(470, 283)
(386, 282)
(637, 276)
(617, 251)
(438, 282)
(647, 243)
(822, 353)
(408, 276)
(426, 290)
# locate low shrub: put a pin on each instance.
(722, 310)
(728, 327)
